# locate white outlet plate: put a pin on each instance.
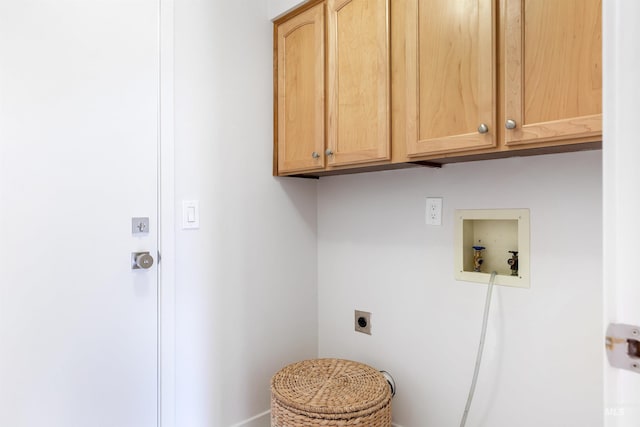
(433, 215)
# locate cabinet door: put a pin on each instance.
(358, 81)
(553, 70)
(450, 75)
(300, 87)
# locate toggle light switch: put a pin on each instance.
(190, 214)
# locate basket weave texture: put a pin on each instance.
(330, 393)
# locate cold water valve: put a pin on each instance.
(513, 262)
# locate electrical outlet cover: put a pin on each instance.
(362, 322)
(433, 214)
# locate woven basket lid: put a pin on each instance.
(330, 386)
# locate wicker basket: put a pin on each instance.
(330, 393)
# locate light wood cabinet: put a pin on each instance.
(552, 70)
(381, 84)
(450, 78)
(300, 119)
(356, 128)
(358, 81)
(534, 64)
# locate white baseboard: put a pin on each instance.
(260, 420)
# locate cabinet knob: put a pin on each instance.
(315, 155)
(510, 124)
(483, 128)
(329, 152)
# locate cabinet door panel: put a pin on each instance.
(358, 81)
(450, 88)
(300, 107)
(553, 69)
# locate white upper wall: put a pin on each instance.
(246, 280)
(278, 7)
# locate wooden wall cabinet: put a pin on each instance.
(381, 84)
(299, 118)
(332, 86)
(552, 61)
(535, 64)
(450, 75)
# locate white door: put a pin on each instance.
(78, 159)
(621, 197)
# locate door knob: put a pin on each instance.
(141, 260)
(483, 128)
(510, 124)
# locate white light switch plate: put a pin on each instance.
(190, 214)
